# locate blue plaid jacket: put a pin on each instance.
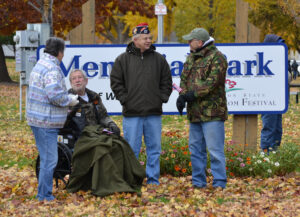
(47, 99)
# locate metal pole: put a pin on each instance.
(160, 26)
(20, 98)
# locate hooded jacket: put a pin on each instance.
(141, 81)
(204, 72)
(273, 38)
(276, 39)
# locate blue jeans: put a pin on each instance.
(295, 75)
(210, 135)
(46, 142)
(150, 126)
(271, 131)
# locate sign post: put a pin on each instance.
(160, 11)
(244, 126)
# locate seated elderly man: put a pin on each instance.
(102, 161)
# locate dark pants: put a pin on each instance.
(271, 132)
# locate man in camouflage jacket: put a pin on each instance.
(203, 88)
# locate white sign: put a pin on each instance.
(256, 81)
(160, 9)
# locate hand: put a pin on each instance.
(182, 99)
(114, 128)
(180, 103)
(74, 99)
(189, 96)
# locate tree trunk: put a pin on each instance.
(4, 77)
(47, 14)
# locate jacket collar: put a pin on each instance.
(204, 50)
(51, 58)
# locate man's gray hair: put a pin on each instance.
(78, 70)
(135, 36)
(54, 45)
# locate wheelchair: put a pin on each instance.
(65, 146)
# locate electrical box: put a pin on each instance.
(27, 42)
(27, 39)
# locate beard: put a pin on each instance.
(80, 89)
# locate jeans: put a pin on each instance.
(46, 142)
(210, 135)
(271, 132)
(150, 126)
(295, 75)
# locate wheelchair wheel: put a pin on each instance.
(63, 166)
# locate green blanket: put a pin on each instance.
(104, 164)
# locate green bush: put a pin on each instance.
(284, 160)
(175, 159)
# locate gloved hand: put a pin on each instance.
(74, 99)
(180, 103)
(182, 99)
(114, 128)
(189, 96)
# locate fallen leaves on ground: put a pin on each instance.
(175, 196)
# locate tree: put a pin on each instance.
(132, 20)
(3, 72)
(110, 22)
(216, 16)
(17, 13)
(14, 14)
(279, 17)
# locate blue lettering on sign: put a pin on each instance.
(90, 66)
(74, 61)
(263, 67)
(249, 64)
(104, 67)
(234, 67)
(176, 68)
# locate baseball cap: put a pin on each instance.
(197, 33)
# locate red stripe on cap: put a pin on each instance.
(143, 24)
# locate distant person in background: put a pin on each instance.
(46, 110)
(295, 69)
(271, 132)
(290, 70)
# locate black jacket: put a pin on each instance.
(141, 82)
(295, 66)
(87, 113)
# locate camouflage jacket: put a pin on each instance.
(87, 113)
(204, 73)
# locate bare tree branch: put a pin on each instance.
(35, 7)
